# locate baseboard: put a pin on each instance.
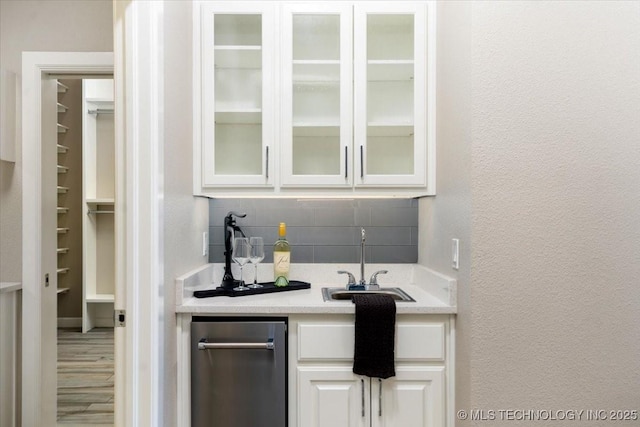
(69, 322)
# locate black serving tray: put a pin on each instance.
(267, 288)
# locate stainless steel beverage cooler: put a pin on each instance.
(238, 372)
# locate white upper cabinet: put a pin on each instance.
(317, 94)
(235, 94)
(315, 98)
(390, 102)
(354, 94)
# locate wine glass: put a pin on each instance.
(256, 255)
(240, 255)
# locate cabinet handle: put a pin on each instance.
(362, 403)
(379, 397)
(267, 162)
(346, 162)
(361, 162)
(204, 345)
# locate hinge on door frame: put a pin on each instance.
(119, 318)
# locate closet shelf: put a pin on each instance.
(62, 291)
(62, 149)
(62, 230)
(62, 108)
(62, 169)
(100, 298)
(62, 210)
(63, 270)
(63, 250)
(62, 128)
(62, 190)
(101, 201)
(62, 88)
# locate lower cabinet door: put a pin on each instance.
(331, 397)
(415, 397)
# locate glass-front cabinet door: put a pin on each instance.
(236, 96)
(390, 102)
(317, 94)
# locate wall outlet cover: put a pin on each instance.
(205, 243)
(455, 253)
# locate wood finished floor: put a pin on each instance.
(85, 377)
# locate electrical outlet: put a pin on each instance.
(455, 253)
(205, 243)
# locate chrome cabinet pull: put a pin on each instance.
(361, 162)
(346, 162)
(379, 397)
(203, 345)
(267, 162)
(362, 404)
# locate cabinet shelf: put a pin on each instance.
(62, 190)
(389, 129)
(316, 62)
(238, 57)
(248, 116)
(62, 291)
(316, 129)
(62, 108)
(62, 210)
(62, 230)
(316, 71)
(390, 70)
(62, 149)
(62, 169)
(238, 47)
(63, 250)
(62, 270)
(62, 128)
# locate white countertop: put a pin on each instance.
(6, 287)
(433, 293)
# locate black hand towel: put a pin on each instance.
(375, 336)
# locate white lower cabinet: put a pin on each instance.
(335, 396)
(413, 398)
(324, 392)
(332, 396)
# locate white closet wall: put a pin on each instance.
(99, 201)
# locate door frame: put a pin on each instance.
(39, 380)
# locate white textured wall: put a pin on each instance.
(45, 25)
(185, 217)
(556, 205)
(448, 215)
(554, 320)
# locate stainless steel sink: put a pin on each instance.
(338, 294)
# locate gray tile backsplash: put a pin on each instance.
(324, 231)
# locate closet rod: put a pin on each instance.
(100, 111)
(93, 211)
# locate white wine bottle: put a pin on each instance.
(281, 257)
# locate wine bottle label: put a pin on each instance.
(281, 262)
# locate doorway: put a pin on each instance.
(40, 228)
(85, 251)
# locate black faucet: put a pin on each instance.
(230, 228)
